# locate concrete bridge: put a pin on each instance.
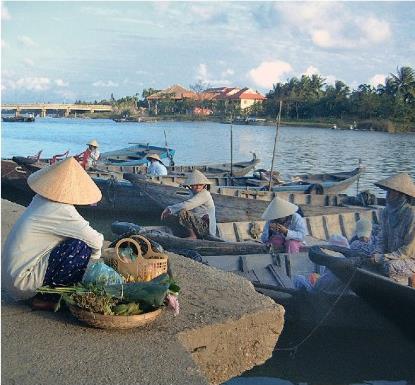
(43, 108)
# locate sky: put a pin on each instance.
(62, 51)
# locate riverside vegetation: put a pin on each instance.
(308, 100)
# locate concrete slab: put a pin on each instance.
(224, 328)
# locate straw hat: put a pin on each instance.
(154, 156)
(401, 182)
(66, 182)
(196, 177)
(363, 228)
(93, 143)
(279, 208)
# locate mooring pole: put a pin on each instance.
(277, 129)
(231, 146)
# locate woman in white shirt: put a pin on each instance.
(51, 244)
(285, 228)
(156, 166)
(195, 217)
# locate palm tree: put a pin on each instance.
(403, 83)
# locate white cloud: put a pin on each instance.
(5, 15)
(66, 94)
(203, 75)
(26, 41)
(28, 62)
(376, 31)
(30, 84)
(330, 80)
(377, 79)
(102, 83)
(269, 73)
(3, 43)
(334, 25)
(311, 70)
(61, 83)
(228, 72)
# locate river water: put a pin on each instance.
(327, 358)
(299, 149)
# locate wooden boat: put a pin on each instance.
(134, 155)
(24, 119)
(243, 237)
(234, 204)
(217, 170)
(163, 236)
(395, 300)
(273, 275)
(330, 183)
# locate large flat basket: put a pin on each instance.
(113, 321)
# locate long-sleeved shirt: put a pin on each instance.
(297, 229)
(199, 204)
(42, 226)
(156, 168)
(398, 242)
(93, 157)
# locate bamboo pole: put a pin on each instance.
(275, 146)
(231, 145)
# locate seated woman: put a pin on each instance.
(51, 244)
(88, 159)
(396, 258)
(284, 227)
(366, 237)
(195, 217)
(156, 165)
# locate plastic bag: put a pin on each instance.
(101, 274)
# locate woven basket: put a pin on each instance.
(113, 321)
(144, 267)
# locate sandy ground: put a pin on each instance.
(224, 328)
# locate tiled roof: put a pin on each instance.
(247, 93)
(174, 92)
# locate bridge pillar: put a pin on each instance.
(92, 111)
(67, 111)
(43, 113)
(17, 113)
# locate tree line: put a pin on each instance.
(387, 107)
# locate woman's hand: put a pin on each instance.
(166, 212)
(281, 229)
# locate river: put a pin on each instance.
(299, 149)
(327, 358)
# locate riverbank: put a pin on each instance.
(224, 328)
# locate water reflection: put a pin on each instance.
(337, 358)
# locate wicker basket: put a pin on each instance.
(144, 267)
(113, 321)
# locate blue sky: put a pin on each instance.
(63, 51)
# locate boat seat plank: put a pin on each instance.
(348, 224)
(316, 227)
(332, 223)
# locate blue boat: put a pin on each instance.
(136, 155)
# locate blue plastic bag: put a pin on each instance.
(101, 274)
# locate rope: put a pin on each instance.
(17, 169)
(295, 348)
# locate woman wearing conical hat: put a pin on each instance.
(156, 166)
(88, 159)
(285, 228)
(51, 244)
(397, 257)
(195, 217)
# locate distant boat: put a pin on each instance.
(19, 118)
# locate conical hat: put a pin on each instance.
(93, 143)
(279, 208)
(66, 182)
(154, 156)
(401, 182)
(196, 177)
